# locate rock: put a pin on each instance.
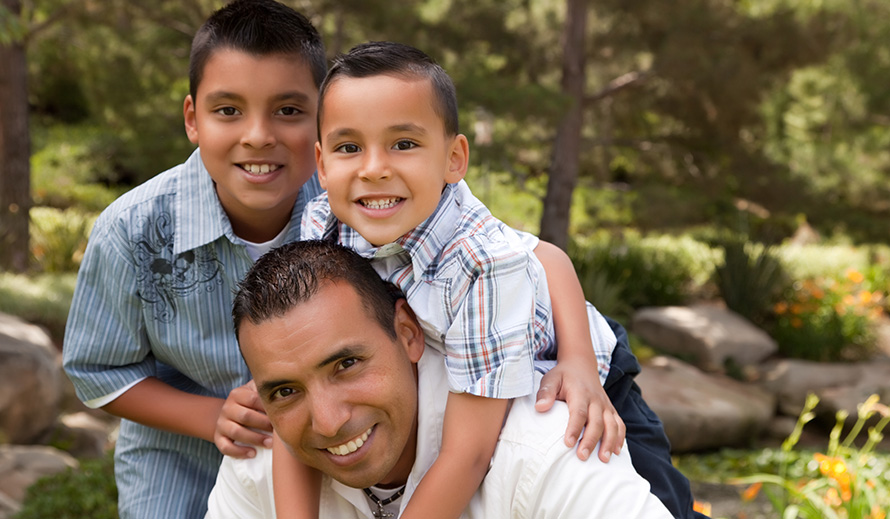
(874, 378)
(790, 380)
(705, 335)
(82, 435)
(21, 466)
(30, 381)
(702, 411)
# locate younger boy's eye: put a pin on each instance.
(347, 148)
(405, 145)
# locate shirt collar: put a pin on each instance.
(424, 243)
(201, 218)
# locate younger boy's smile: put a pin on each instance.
(384, 155)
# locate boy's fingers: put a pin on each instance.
(545, 397)
(230, 448)
(577, 421)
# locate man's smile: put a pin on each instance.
(350, 446)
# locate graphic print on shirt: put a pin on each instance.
(162, 277)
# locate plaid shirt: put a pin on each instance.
(476, 287)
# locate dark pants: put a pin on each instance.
(649, 447)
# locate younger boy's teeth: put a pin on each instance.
(380, 203)
(350, 446)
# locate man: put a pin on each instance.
(340, 365)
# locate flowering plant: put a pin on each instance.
(845, 482)
(827, 319)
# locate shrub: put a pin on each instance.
(828, 319)
(59, 238)
(844, 482)
(650, 271)
(42, 299)
(74, 494)
(749, 279)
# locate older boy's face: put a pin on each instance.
(254, 120)
(384, 157)
(338, 389)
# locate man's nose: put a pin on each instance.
(329, 414)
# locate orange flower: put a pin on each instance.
(796, 322)
(781, 307)
(836, 469)
(877, 513)
(751, 492)
(702, 507)
(832, 498)
(855, 276)
(796, 308)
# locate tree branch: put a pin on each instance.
(618, 84)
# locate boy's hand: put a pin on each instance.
(242, 419)
(588, 406)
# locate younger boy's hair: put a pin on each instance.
(378, 58)
(260, 28)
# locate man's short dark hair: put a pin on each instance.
(259, 28)
(378, 58)
(292, 274)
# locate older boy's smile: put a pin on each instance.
(260, 169)
(384, 156)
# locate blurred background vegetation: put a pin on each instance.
(681, 151)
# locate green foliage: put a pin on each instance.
(846, 482)
(70, 167)
(828, 319)
(88, 491)
(59, 237)
(651, 271)
(41, 299)
(749, 279)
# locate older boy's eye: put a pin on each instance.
(347, 148)
(283, 393)
(405, 145)
(228, 111)
(289, 110)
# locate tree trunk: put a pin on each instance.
(15, 153)
(567, 147)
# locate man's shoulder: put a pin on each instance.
(243, 488)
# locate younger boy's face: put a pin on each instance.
(254, 120)
(384, 157)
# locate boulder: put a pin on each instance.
(21, 466)
(708, 336)
(704, 411)
(790, 380)
(874, 379)
(30, 381)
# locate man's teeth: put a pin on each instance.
(259, 169)
(380, 203)
(351, 445)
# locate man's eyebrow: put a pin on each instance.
(343, 353)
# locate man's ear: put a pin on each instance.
(191, 122)
(458, 159)
(319, 167)
(408, 330)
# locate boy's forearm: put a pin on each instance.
(296, 487)
(470, 434)
(569, 305)
(159, 405)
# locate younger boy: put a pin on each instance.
(392, 160)
(149, 336)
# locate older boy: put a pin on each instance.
(148, 336)
(392, 161)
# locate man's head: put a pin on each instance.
(332, 350)
(388, 139)
(255, 69)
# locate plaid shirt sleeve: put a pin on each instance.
(491, 340)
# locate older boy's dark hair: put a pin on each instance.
(377, 58)
(259, 28)
(292, 274)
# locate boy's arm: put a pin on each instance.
(575, 378)
(156, 404)
(469, 437)
(297, 488)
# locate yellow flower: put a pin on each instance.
(751, 492)
(877, 513)
(855, 276)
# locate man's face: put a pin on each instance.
(339, 391)
(384, 157)
(254, 120)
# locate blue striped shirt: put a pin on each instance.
(477, 289)
(154, 299)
